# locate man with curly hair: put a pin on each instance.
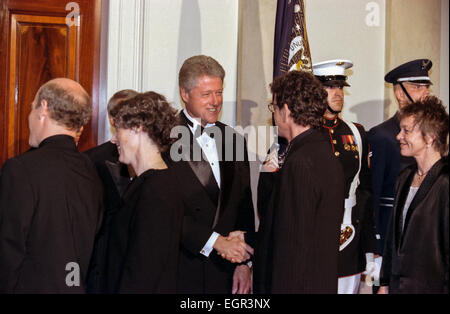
(298, 243)
(50, 199)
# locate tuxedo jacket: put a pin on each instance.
(115, 180)
(228, 209)
(386, 163)
(50, 211)
(113, 174)
(417, 259)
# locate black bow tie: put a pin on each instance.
(210, 131)
(199, 131)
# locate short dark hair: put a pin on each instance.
(66, 108)
(432, 118)
(304, 95)
(119, 96)
(152, 112)
(195, 67)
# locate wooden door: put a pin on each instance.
(41, 40)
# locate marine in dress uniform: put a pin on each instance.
(411, 82)
(350, 145)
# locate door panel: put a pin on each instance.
(42, 48)
(37, 46)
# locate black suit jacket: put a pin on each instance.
(234, 210)
(298, 242)
(385, 163)
(417, 259)
(115, 179)
(114, 174)
(50, 211)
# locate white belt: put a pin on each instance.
(347, 229)
(349, 204)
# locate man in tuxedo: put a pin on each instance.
(50, 199)
(115, 178)
(218, 205)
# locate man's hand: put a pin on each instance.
(383, 290)
(232, 249)
(241, 235)
(271, 162)
(242, 280)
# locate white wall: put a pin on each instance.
(444, 53)
(352, 31)
(148, 41)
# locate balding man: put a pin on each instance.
(50, 199)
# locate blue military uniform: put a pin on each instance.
(386, 161)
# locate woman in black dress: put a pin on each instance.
(416, 254)
(144, 241)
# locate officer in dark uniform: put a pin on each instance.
(350, 145)
(411, 83)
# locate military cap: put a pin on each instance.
(332, 72)
(415, 71)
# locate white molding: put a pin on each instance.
(444, 76)
(146, 46)
(125, 51)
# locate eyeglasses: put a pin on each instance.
(271, 107)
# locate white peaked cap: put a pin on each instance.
(332, 67)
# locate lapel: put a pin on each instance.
(423, 191)
(201, 169)
(226, 167)
(119, 174)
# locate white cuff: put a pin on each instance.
(369, 258)
(207, 249)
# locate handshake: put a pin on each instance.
(233, 248)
